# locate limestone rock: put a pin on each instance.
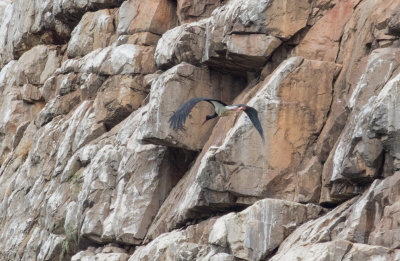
(255, 17)
(188, 244)
(349, 222)
(322, 41)
(183, 43)
(358, 156)
(95, 30)
(335, 250)
(394, 22)
(118, 97)
(235, 166)
(30, 23)
(251, 17)
(156, 16)
(90, 169)
(36, 65)
(238, 36)
(70, 12)
(3, 6)
(257, 231)
(353, 50)
(190, 11)
(122, 59)
(188, 81)
(13, 109)
(27, 24)
(107, 253)
(31, 93)
(142, 38)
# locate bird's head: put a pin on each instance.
(209, 117)
(241, 108)
(238, 107)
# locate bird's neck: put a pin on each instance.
(220, 109)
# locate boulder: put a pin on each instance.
(187, 244)
(95, 30)
(155, 16)
(256, 232)
(118, 97)
(36, 65)
(191, 11)
(183, 43)
(238, 36)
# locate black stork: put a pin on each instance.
(178, 119)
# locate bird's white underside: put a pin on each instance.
(222, 110)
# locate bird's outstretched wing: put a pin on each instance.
(253, 115)
(178, 119)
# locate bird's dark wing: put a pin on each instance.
(253, 115)
(178, 119)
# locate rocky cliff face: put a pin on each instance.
(90, 170)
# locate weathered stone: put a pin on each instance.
(19, 133)
(31, 93)
(251, 17)
(189, 81)
(351, 221)
(90, 256)
(70, 12)
(156, 16)
(60, 105)
(183, 43)
(235, 161)
(36, 65)
(334, 250)
(238, 36)
(191, 11)
(259, 46)
(309, 182)
(117, 98)
(322, 40)
(24, 27)
(3, 6)
(143, 38)
(188, 244)
(91, 84)
(112, 60)
(68, 182)
(255, 17)
(13, 109)
(66, 84)
(358, 155)
(353, 49)
(95, 30)
(257, 231)
(360, 252)
(394, 21)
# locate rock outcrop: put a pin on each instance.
(91, 170)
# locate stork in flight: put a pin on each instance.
(178, 119)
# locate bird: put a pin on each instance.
(221, 109)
